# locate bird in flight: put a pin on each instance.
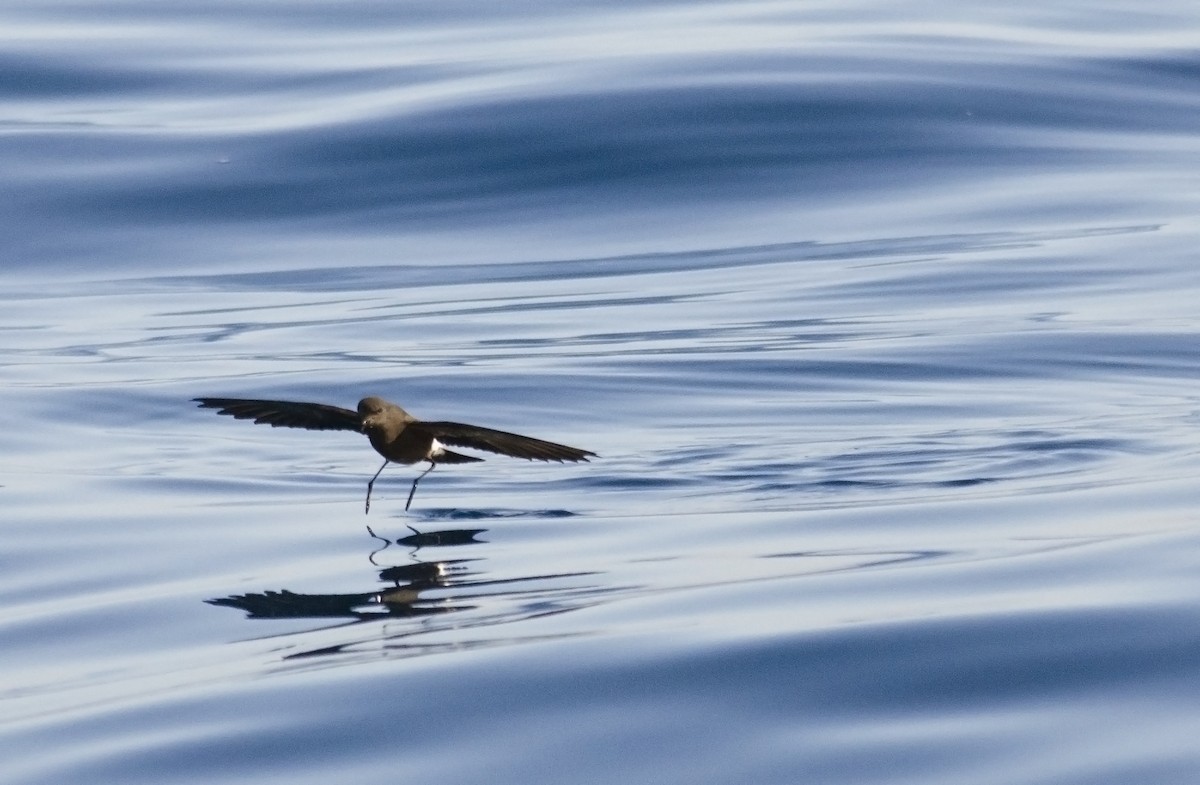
(395, 434)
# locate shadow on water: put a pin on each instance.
(458, 514)
(431, 539)
(419, 539)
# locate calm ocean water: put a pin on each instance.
(882, 319)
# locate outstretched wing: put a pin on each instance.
(286, 414)
(511, 444)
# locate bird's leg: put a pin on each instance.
(432, 466)
(371, 483)
(386, 543)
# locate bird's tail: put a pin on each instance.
(449, 456)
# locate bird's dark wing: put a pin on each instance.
(287, 414)
(512, 444)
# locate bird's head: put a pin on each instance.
(382, 417)
(373, 405)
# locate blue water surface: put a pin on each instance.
(881, 318)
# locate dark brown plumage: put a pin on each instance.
(394, 433)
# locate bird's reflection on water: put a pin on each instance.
(418, 590)
(402, 598)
